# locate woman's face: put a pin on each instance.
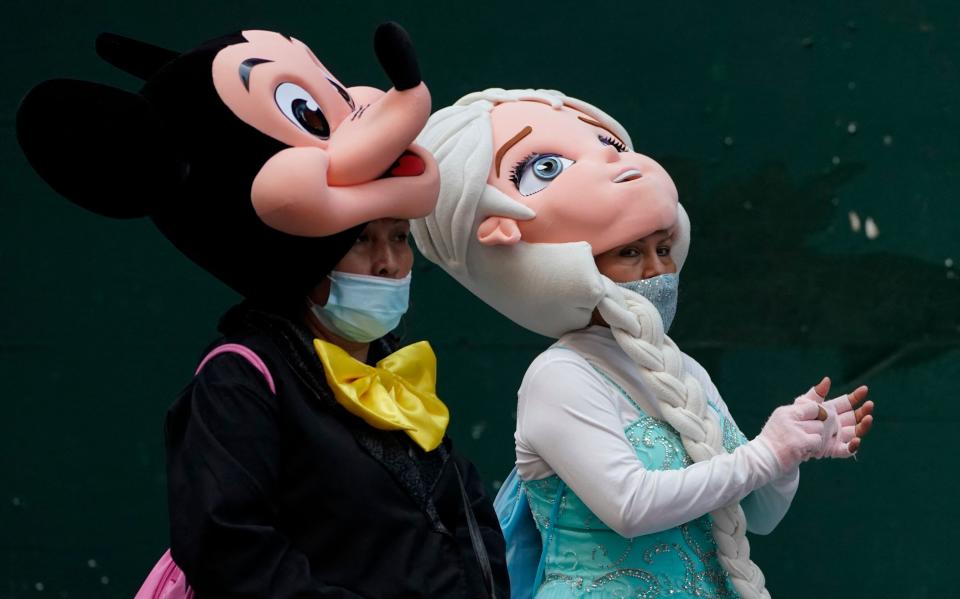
(381, 250)
(640, 259)
(580, 179)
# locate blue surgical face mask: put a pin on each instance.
(661, 290)
(363, 308)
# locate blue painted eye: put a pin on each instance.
(539, 172)
(547, 167)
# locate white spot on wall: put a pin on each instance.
(835, 160)
(948, 262)
(477, 431)
(871, 229)
(854, 221)
(852, 127)
(91, 563)
(104, 580)
(39, 586)
(888, 140)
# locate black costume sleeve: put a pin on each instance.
(489, 526)
(223, 451)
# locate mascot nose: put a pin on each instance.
(372, 145)
(396, 55)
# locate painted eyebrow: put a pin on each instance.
(246, 66)
(510, 143)
(602, 126)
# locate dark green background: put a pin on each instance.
(777, 121)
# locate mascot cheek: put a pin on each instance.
(291, 189)
(292, 194)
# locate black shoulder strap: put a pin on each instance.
(476, 538)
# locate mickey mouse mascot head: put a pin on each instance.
(247, 152)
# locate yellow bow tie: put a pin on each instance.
(398, 394)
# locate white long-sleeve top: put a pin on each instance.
(571, 422)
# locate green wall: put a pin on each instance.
(778, 121)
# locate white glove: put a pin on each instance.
(794, 433)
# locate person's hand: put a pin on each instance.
(831, 427)
(845, 426)
(855, 422)
(795, 432)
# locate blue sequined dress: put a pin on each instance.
(585, 558)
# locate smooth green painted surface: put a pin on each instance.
(779, 123)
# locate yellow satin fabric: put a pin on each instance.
(399, 393)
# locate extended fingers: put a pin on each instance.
(847, 418)
(822, 388)
(840, 404)
(842, 450)
(864, 411)
(847, 433)
(845, 403)
(859, 394)
(863, 427)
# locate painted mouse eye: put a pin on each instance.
(299, 106)
(539, 171)
(343, 94)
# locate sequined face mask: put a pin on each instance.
(661, 290)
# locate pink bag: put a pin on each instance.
(166, 580)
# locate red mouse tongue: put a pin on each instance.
(408, 165)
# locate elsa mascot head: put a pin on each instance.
(523, 240)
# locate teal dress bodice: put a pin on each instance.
(585, 558)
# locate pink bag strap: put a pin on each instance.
(247, 353)
(166, 580)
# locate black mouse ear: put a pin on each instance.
(139, 59)
(101, 147)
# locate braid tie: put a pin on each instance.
(638, 330)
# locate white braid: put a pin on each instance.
(683, 405)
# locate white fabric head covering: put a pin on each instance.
(549, 288)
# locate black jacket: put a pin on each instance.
(289, 495)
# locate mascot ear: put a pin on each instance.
(101, 147)
(139, 59)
